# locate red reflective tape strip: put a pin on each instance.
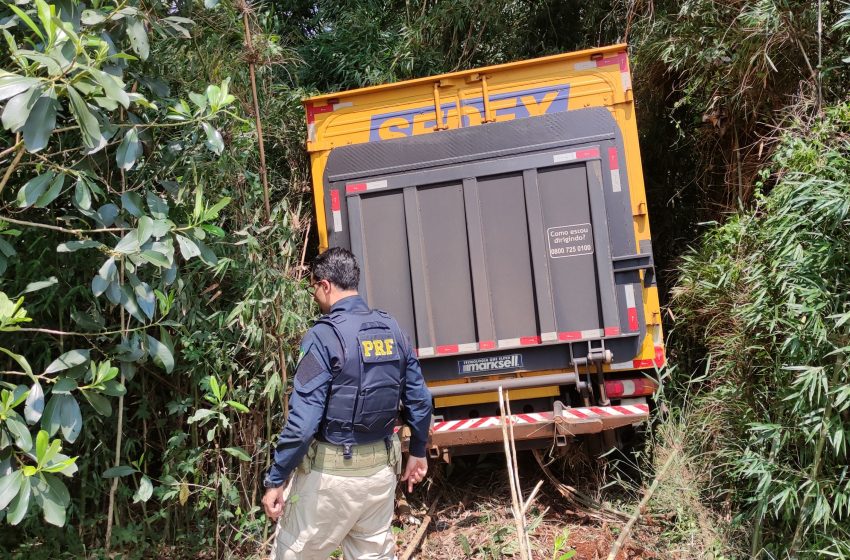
(527, 418)
(478, 423)
(633, 319)
(612, 331)
(619, 59)
(576, 413)
(612, 159)
(598, 411)
(570, 335)
(355, 187)
(447, 349)
(587, 153)
(642, 363)
(313, 111)
(529, 340)
(335, 200)
(623, 410)
(659, 356)
(487, 345)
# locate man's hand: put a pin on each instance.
(273, 502)
(414, 471)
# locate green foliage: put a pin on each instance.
(767, 295)
(151, 298)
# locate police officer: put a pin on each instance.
(356, 368)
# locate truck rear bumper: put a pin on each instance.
(547, 426)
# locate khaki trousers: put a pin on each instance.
(326, 511)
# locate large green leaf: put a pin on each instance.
(54, 498)
(39, 285)
(19, 506)
(156, 258)
(86, 119)
(129, 243)
(105, 276)
(71, 419)
(98, 402)
(72, 246)
(157, 206)
(34, 405)
(34, 189)
(138, 37)
(82, 194)
(188, 248)
(129, 150)
(145, 298)
(112, 86)
(50, 420)
(21, 433)
(145, 229)
(68, 360)
(161, 354)
(239, 453)
(132, 203)
(18, 109)
(12, 84)
(120, 470)
(40, 123)
(9, 487)
(52, 192)
(65, 386)
(27, 20)
(128, 301)
(214, 140)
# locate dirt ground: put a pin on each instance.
(473, 516)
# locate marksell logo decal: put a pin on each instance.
(503, 106)
(490, 363)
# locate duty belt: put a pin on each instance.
(365, 459)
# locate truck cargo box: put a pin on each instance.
(499, 214)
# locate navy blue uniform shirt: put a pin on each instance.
(307, 409)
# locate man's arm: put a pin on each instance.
(306, 410)
(417, 404)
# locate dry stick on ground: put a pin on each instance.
(627, 529)
(516, 506)
(582, 503)
(417, 538)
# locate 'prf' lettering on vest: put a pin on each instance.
(377, 347)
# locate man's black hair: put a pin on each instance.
(339, 267)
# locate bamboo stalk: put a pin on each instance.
(258, 122)
(520, 505)
(515, 502)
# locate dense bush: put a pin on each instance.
(766, 295)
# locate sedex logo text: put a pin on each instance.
(490, 363)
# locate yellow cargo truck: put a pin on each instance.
(499, 214)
